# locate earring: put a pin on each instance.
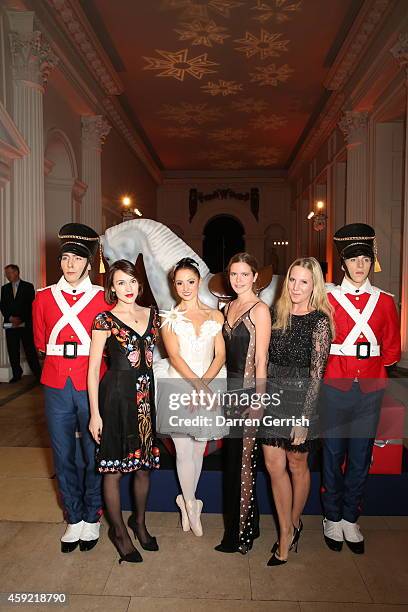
(113, 291)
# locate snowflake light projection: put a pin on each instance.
(190, 113)
(222, 88)
(177, 65)
(202, 33)
(271, 75)
(267, 45)
(268, 122)
(279, 10)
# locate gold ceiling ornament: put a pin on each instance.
(222, 88)
(267, 45)
(199, 9)
(190, 113)
(266, 156)
(177, 65)
(279, 10)
(202, 33)
(268, 122)
(250, 105)
(228, 134)
(271, 75)
(181, 132)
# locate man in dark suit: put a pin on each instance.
(16, 301)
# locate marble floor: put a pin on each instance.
(186, 574)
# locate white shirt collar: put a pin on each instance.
(84, 285)
(348, 287)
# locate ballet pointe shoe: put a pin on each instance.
(194, 507)
(185, 523)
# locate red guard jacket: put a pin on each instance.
(47, 314)
(343, 370)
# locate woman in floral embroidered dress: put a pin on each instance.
(192, 335)
(122, 405)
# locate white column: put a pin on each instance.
(354, 126)
(400, 52)
(94, 131)
(32, 60)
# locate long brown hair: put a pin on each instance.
(318, 300)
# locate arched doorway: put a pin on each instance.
(223, 237)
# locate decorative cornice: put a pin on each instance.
(325, 124)
(400, 51)
(32, 57)
(361, 33)
(128, 134)
(77, 28)
(94, 131)
(353, 124)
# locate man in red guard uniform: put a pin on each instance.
(367, 341)
(62, 319)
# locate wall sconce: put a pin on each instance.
(126, 201)
(319, 224)
(280, 243)
(319, 216)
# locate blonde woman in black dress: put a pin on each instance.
(302, 328)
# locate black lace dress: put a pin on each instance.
(297, 361)
(126, 397)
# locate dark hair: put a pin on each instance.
(122, 265)
(13, 267)
(186, 264)
(244, 258)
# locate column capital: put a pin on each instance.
(400, 52)
(354, 124)
(32, 57)
(94, 131)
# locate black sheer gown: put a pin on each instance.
(241, 514)
(297, 360)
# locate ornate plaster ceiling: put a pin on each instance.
(222, 84)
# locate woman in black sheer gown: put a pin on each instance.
(302, 328)
(246, 333)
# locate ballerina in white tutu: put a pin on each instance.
(189, 383)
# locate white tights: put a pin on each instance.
(189, 461)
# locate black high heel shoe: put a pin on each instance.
(150, 544)
(132, 557)
(274, 560)
(296, 536)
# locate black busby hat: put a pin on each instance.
(357, 239)
(79, 239)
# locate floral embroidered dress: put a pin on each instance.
(126, 397)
